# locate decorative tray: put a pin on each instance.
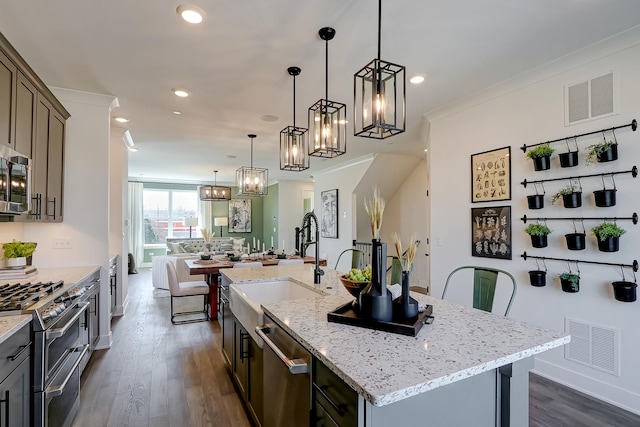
(349, 314)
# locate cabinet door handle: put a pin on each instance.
(54, 208)
(6, 407)
(23, 348)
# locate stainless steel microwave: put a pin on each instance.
(15, 182)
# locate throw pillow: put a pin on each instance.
(187, 247)
(175, 248)
(238, 243)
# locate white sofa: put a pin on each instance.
(159, 276)
(194, 245)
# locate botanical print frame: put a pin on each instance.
(491, 232)
(329, 217)
(240, 216)
(491, 175)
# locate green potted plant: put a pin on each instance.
(570, 282)
(606, 151)
(16, 252)
(608, 235)
(571, 196)
(541, 156)
(538, 233)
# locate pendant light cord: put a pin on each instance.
(379, 25)
(294, 103)
(252, 154)
(326, 71)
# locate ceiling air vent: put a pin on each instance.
(593, 346)
(590, 99)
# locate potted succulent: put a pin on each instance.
(571, 197)
(608, 235)
(606, 151)
(538, 233)
(16, 252)
(541, 156)
(570, 282)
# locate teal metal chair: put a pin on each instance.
(357, 258)
(484, 286)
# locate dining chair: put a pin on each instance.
(484, 286)
(291, 261)
(187, 289)
(247, 264)
(357, 257)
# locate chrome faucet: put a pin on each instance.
(306, 242)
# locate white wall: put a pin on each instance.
(290, 210)
(86, 196)
(529, 111)
(118, 211)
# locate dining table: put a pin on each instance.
(211, 270)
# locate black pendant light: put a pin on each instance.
(379, 96)
(215, 192)
(252, 181)
(327, 119)
(293, 140)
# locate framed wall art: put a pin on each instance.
(240, 216)
(491, 232)
(329, 217)
(491, 175)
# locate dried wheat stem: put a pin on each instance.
(375, 210)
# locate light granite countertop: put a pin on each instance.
(385, 367)
(9, 325)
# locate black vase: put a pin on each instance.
(568, 286)
(605, 198)
(541, 163)
(573, 200)
(375, 299)
(575, 241)
(405, 307)
(539, 241)
(610, 244)
(609, 155)
(568, 160)
(624, 291)
(538, 278)
(536, 201)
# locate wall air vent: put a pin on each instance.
(593, 346)
(590, 99)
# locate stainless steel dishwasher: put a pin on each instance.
(287, 378)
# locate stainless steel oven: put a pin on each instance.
(15, 182)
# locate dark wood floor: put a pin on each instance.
(157, 374)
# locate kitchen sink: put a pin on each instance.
(246, 298)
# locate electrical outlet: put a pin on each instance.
(62, 243)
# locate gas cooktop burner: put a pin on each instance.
(20, 296)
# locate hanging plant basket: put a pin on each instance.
(541, 163)
(575, 241)
(573, 200)
(568, 160)
(536, 201)
(538, 278)
(609, 244)
(608, 155)
(570, 286)
(605, 198)
(539, 241)
(624, 291)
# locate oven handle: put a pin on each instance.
(295, 366)
(53, 391)
(58, 332)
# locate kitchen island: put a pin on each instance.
(468, 368)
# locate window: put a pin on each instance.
(164, 212)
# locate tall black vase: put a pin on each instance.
(405, 307)
(375, 299)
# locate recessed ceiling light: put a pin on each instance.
(417, 79)
(231, 156)
(190, 13)
(426, 149)
(269, 118)
(177, 113)
(121, 120)
(182, 93)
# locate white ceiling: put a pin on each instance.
(235, 62)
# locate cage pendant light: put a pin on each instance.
(293, 139)
(252, 181)
(327, 119)
(379, 96)
(215, 192)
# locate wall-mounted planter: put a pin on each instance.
(624, 291)
(610, 244)
(541, 163)
(609, 155)
(535, 201)
(605, 198)
(568, 160)
(569, 286)
(573, 200)
(539, 241)
(575, 241)
(538, 278)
